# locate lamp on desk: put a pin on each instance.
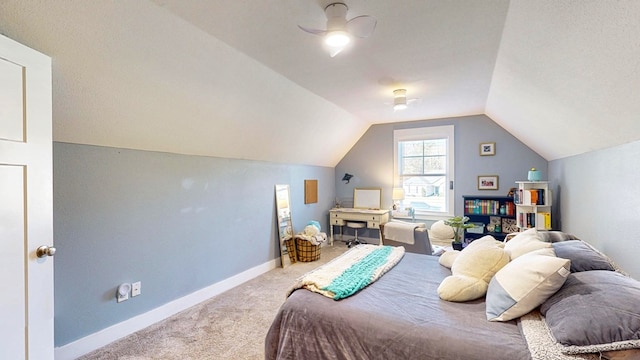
(397, 194)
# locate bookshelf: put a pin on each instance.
(490, 211)
(533, 205)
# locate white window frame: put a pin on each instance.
(428, 133)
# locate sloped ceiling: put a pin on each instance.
(567, 76)
(238, 79)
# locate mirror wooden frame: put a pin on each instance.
(285, 225)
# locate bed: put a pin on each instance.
(400, 316)
(397, 317)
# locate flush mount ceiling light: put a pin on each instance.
(337, 38)
(339, 31)
(399, 99)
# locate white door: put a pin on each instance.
(26, 203)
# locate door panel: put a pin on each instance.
(12, 257)
(11, 105)
(26, 203)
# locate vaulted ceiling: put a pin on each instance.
(239, 79)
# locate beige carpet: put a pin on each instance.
(232, 325)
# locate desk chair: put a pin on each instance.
(355, 225)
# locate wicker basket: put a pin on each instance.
(291, 250)
(306, 251)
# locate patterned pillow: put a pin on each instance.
(595, 311)
(524, 284)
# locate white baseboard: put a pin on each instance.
(108, 335)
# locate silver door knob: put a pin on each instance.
(45, 250)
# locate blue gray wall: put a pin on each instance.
(371, 159)
(181, 223)
(177, 223)
(595, 195)
(598, 199)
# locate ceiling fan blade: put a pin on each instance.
(362, 26)
(313, 31)
(335, 50)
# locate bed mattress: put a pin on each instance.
(400, 316)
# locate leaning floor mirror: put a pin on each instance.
(285, 226)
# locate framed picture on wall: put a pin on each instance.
(487, 149)
(488, 182)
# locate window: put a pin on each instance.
(424, 169)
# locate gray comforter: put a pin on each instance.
(398, 317)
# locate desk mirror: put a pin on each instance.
(367, 198)
(285, 226)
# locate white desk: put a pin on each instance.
(373, 218)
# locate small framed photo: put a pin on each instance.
(488, 182)
(487, 149)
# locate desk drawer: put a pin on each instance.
(373, 220)
(361, 217)
(373, 224)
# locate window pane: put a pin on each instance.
(411, 148)
(424, 157)
(435, 165)
(412, 166)
(424, 193)
(435, 147)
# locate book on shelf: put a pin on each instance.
(544, 220)
(488, 207)
(540, 220)
(527, 220)
(530, 197)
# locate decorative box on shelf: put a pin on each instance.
(478, 229)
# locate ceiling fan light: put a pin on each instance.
(397, 107)
(400, 93)
(399, 99)
(337, 38)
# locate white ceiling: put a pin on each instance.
(238, 79)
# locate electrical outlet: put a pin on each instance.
(136, 288)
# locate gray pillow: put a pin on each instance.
(582, 256)
(595, 311)
(553, 236)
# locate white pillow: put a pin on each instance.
(524, 284)
(486, 240)
(525, 242)
(471, 271)
(448, 257)
(440, 231)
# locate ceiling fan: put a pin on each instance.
(339, 30)
(400, 101)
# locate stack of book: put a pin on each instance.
(530, 197)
